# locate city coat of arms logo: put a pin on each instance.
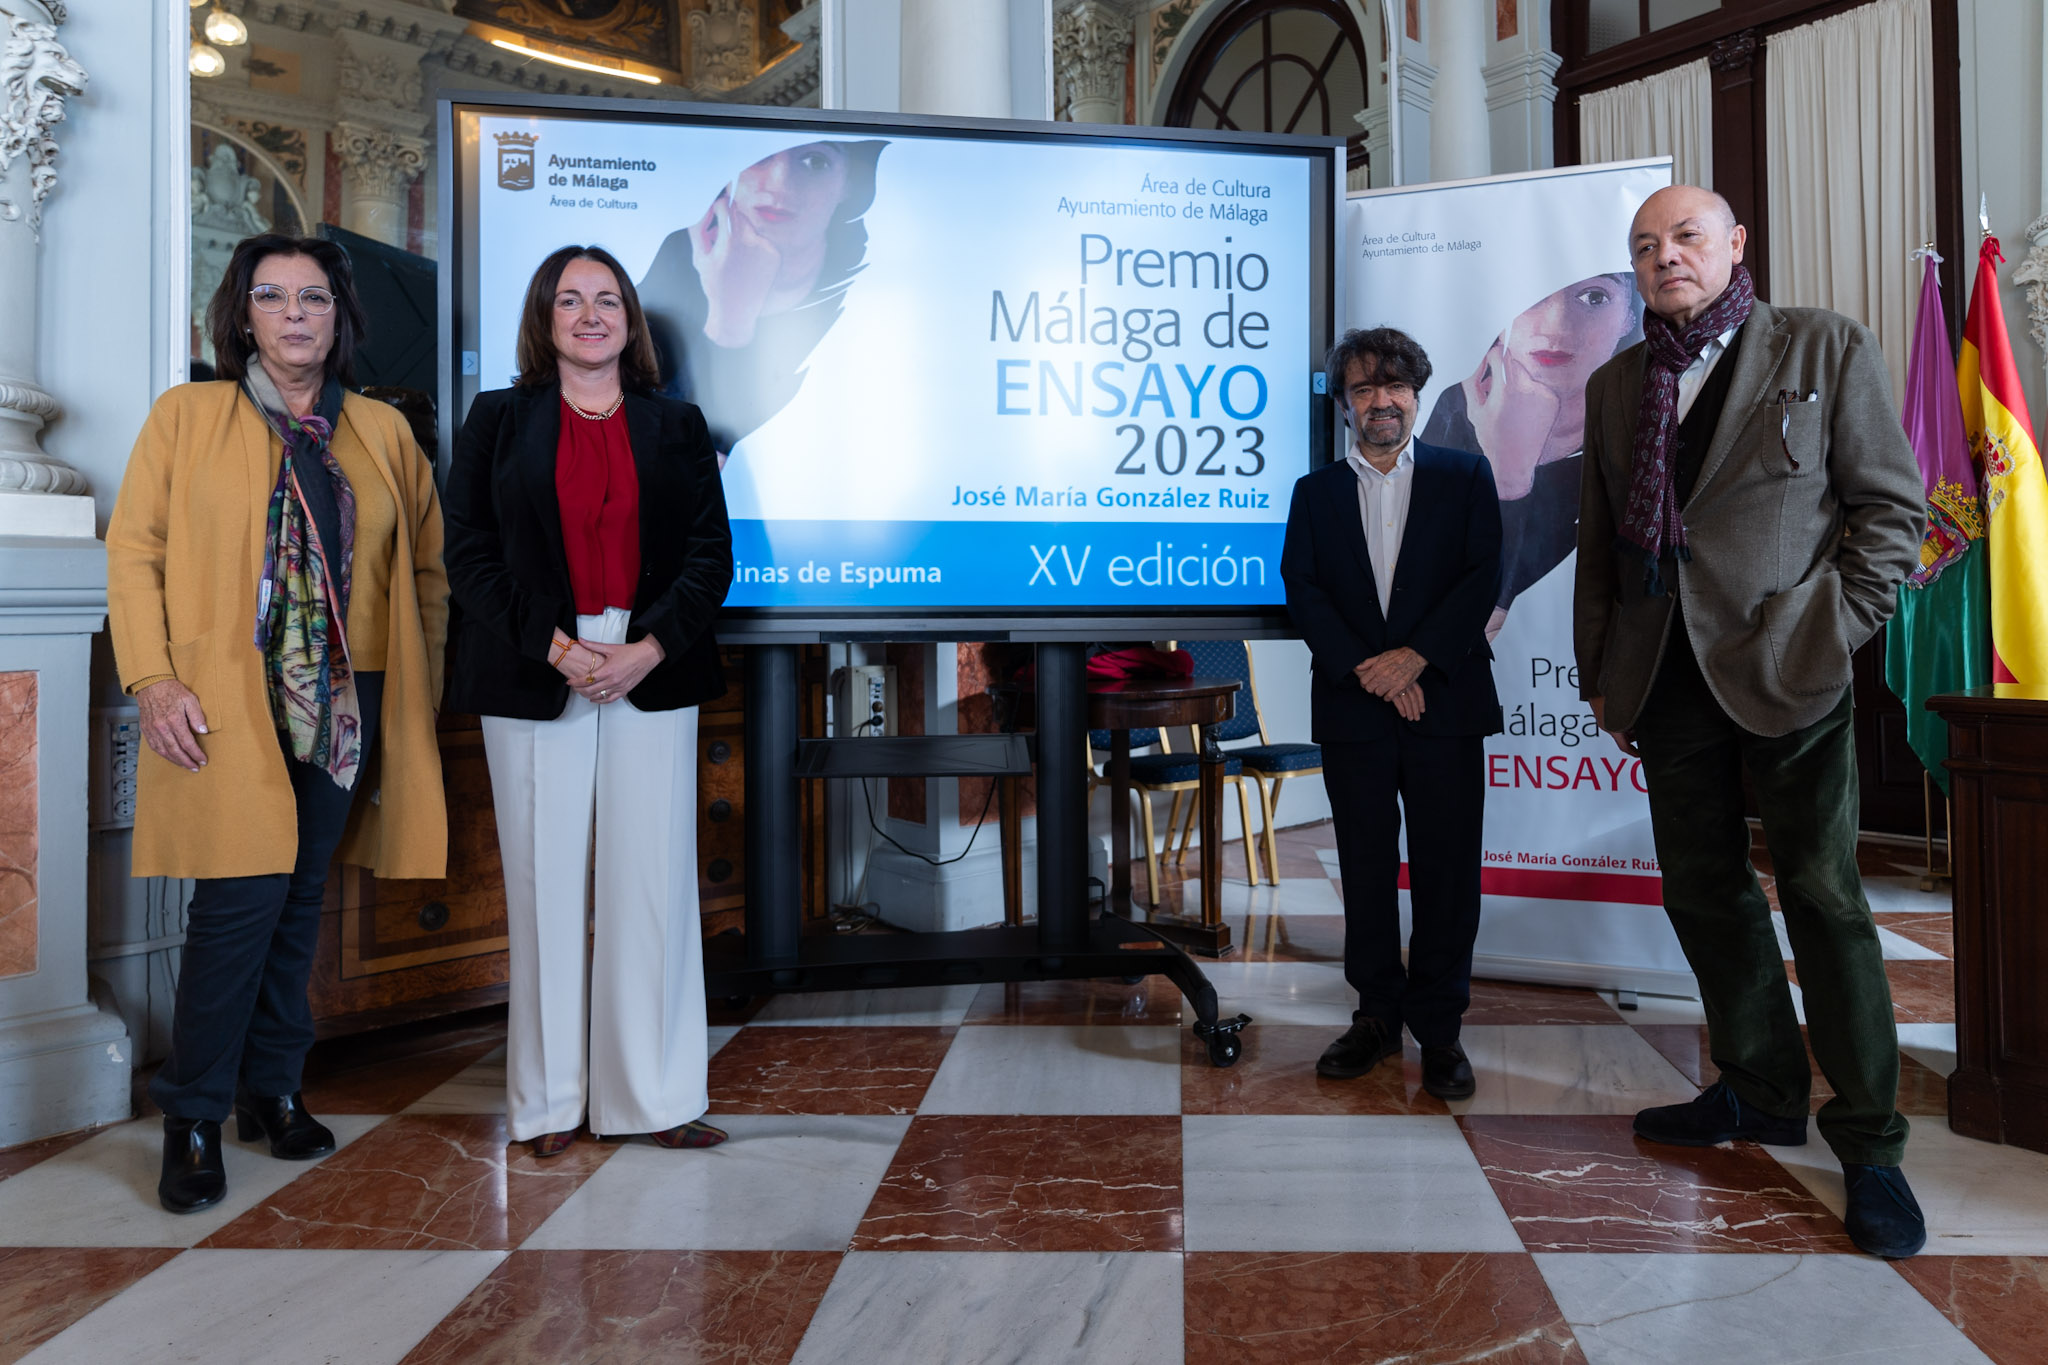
(515, 160)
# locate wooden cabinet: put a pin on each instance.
(1998, 766)
(397, 950)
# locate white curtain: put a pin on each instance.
(1849, 137)
(1668, 114)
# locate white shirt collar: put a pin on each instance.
(1405, 460)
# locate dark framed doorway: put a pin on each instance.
(1278, 66)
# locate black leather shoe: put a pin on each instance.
(1883, 1217)
(1364, 1046)
(294, 1134)
(1717, 1116)
(193, 1177)
(1446, 1073)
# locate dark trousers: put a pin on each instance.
(1440, 784)
(1694, 756)
(241, 1012)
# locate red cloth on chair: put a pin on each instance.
(1141, 662)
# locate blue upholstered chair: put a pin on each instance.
(1269, 765)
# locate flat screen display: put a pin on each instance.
(954, 372)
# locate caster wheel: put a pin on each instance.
(1131, 980)
(737, 1002)
(1221, 1039)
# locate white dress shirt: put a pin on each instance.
(1694, 376)
(1383, 511)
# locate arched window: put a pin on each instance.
(1277, 66)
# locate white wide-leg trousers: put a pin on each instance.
(618, 1034)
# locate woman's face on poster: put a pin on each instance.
(1527, 399)
(789, 198)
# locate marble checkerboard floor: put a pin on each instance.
(1054, 1172)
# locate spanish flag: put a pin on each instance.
(2015, 491)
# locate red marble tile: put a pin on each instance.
(1999, 1302)
(1518, 1002)
(1922, 992)
(1154, 1000)
(635, 1306)
(15, 1160)
(388, 1078)
(1922, 1090)
(1588, 1184)
(827, 1070)
(1426, 1308)
(19, 824)
(420, 1182)
(1934, 930)
(1277, 1075)
(1321, 834)
(1027, 1183)
(1290, 938)
(43, 1290)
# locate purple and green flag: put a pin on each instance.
(1940, 639)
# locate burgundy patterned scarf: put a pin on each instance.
(1650, 524)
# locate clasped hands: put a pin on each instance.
(604, 673)
(1392, 677)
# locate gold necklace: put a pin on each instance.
(595, 416)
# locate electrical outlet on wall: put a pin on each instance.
(116, 750)
(870, 706)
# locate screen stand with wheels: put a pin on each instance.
(1065, 944)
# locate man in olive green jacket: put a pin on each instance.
(1750, 505)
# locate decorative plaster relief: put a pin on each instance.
(36, 74)
(2033, 273)
(18, 826)
(724, 44)
(379, 79)
(379, 164)
(1166, 23)
(1091, 45)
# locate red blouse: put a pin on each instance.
(599, 491)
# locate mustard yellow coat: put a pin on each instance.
(184, 553)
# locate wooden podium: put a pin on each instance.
(1998, 774)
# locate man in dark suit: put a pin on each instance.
(1750, 504)
(1392, 566)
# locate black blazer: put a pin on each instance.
(509, 575)
(1445, 585)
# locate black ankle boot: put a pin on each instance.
(294, 1134)
(193, 1177)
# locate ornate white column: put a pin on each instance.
(1091, 52)
(1416, 86)
(956, 57)
(1521, 98)
(2033, 272)
(38, 76)
(1378, 122)
(1460, 143)
(379, 134)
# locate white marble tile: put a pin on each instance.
(1933, 1045)
(1661, 1009)
(926, 1006)
(1294, 896)
(478, 1088)
(717, 1036)
(783, 1183)
(1567, 1069)
(1328, 858)
(102, 1193)
(1980, 1198)
(1284, 992)
(1295, 1182)
(884, 1308)
(1749, 1309)
(1903, 894)
(1059, 1069)
(334, 1307)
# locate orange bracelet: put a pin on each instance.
(555, 661)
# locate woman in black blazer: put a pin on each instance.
(587, 554)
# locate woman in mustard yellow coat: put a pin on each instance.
(278, 610)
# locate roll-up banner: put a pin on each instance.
(1519, 288)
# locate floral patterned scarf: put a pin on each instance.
(301, 612)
